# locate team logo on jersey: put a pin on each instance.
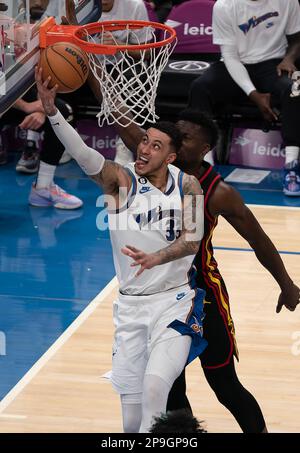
(145, 189)
(197, 329)
(156, 215)
(170, 217)
(142, 180)
(196, 326)
(180, 296)
(255, 21)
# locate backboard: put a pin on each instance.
(19, 40)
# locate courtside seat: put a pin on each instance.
(239, 115)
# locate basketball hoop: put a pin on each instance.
(128, 85)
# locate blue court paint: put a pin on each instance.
(268, 192)
(52, 262)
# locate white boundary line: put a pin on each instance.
(19, 387)
(13, 416)
(269, 206)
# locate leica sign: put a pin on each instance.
(255, 148)
(192, 30)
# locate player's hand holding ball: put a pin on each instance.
(46, 94)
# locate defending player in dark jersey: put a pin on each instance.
(199, 136)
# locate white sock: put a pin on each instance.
(155, 398)
(158, 380)
(45, 175)
(291, 156)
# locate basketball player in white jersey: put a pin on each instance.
(158, 316)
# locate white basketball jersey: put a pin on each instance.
(150, 221)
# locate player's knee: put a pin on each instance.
(155, 390)
(224, 397)
(151, 394)
(229, 394)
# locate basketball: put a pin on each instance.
(67, 65)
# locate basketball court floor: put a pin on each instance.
(57, 285)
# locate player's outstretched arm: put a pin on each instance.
(192, 232)
(106, 173)
(226, 201)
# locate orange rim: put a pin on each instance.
(50, 33)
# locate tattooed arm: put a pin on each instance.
(112, 178)
(189, 241)
(192, 232)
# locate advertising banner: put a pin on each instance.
(255, 148)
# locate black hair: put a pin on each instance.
(201, 119)
(172, 131)
(179, 421)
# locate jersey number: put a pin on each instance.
(172, 234)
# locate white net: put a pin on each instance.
(129, 79)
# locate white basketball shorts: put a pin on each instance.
(143, 321)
